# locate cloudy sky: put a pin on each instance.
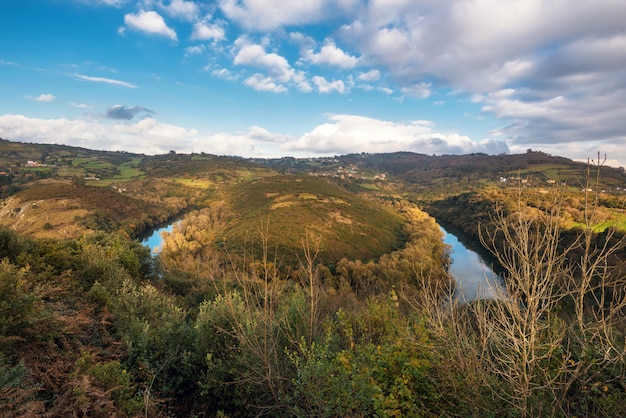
(270, 78)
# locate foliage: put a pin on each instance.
(375, 364)
(19, 304)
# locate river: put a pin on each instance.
(473, 275)
(155, 240)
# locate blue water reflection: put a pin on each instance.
(155, 241)
(473, 275)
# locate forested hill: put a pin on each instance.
(447, 170)
(423, 168)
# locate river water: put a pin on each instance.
(155, 240)
(474, 276)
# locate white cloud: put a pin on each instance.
(372, 75)
(351, 133)
(222, 73)
(279, 72)
(305, 41)
(194, 50)
(325, 86)
(330, 55)
(42, 98)
(262, 83)
(147, 136)
(340, 135)
(486, 45)
(255, 55)
(204, 31)
(104, 80)
(187, 10)
(551, 72)
(150, 23)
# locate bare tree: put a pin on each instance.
(533, 347)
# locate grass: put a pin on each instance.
(196, 183)
(369, 186)
(130, 169)
(617, 221)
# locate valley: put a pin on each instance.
(307, 287)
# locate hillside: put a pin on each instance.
(350, 226)
(452, 174)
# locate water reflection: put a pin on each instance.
(155, 241)
(473, 275)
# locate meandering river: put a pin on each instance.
(474, 277)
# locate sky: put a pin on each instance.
(308, 78)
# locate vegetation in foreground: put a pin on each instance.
(90, 325)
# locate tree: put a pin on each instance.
(545, 360)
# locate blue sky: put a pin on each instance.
(270, 78)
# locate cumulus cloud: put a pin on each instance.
(194, 50)
(330, 55)
(340, 135)
(121, 112)
(551, 72)
(223, 73)
(261, 83)
(42, 98)
(204, 31)
(147, 135)
(351, 133)
(255, 55)
(483, 38)
(150, 23)
(279, 72)
(325, 86)
(104, 80)
(186, 10)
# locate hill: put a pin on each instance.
(84, 191)
(351, 226)
(452, 172)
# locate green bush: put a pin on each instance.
(376, 364)
(19, 306)
(157, 337)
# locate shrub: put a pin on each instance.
(18, 303)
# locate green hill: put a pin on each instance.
(289, 205)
